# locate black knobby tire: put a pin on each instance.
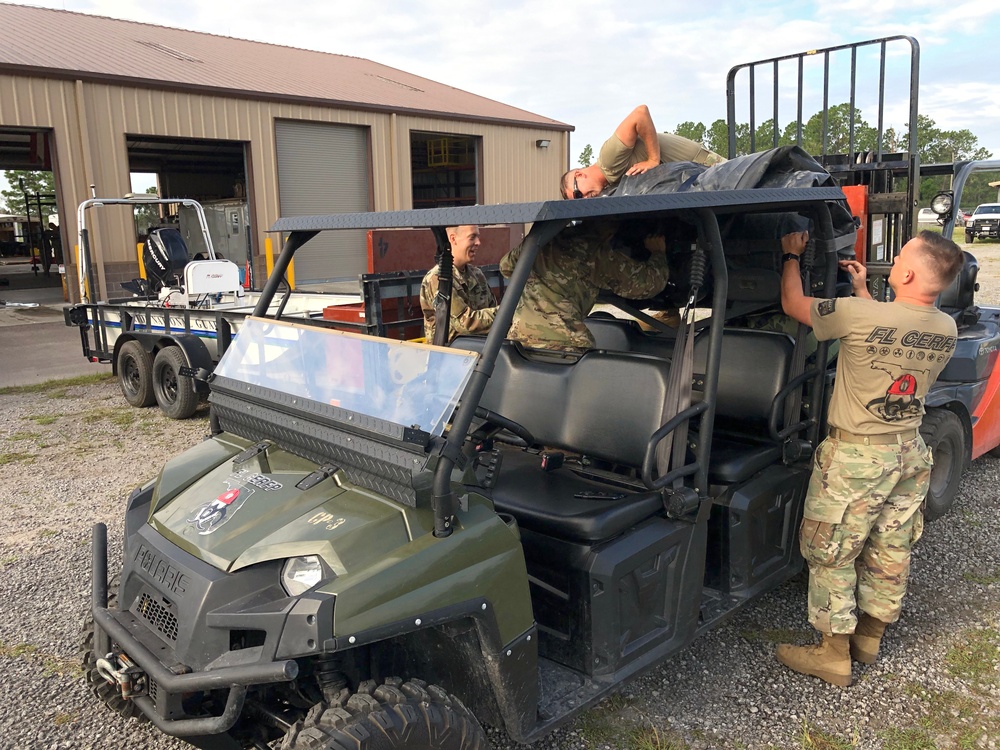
(135, 374)
(969, 238)
(943, 432)
(175, 393)
(106, 693)
(410, 715)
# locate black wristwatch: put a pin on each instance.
(789, 256)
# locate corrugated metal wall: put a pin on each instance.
(90, 121)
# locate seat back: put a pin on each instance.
(754, 368)
(621, 335)
(604, 404)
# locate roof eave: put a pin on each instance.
(160, 85)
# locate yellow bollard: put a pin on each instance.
(268, 255)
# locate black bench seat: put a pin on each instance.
(563, 504)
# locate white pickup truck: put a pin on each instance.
(984, 222)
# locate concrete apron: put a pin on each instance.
(35, 343)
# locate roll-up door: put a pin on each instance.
(323, 169)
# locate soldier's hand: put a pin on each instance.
(656, 243)
(643, 166)
(859, 274)
(794, 242)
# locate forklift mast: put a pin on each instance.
(880, 181)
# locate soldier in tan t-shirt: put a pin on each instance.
(634, 148)
(870, 476)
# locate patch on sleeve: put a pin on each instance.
(826, 307)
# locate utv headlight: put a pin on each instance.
(301, 573)
(941, 203)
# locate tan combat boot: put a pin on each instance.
(829, 659)
(866, 639)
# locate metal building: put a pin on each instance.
(254, 130)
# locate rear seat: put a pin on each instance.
(625, 335)
(604, 405)
(754, 368)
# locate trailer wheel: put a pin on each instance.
(392, 716)
(942, 431)
(174, 392)
(106, 693)
(135, 374)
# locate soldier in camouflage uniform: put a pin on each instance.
(870, 476)
(566, 278)
(635, 147)
(473, 306)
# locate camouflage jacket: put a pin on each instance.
(564, 283)
(473, 306)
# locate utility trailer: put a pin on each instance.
(183, 313)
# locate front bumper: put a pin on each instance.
(979, 230)
(120, 628)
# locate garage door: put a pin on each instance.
(323, 169)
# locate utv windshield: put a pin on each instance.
(414, 385)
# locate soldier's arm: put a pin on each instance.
(794, 301)
(630, 278)
(508, 261)
(464, 319)
(638, 126)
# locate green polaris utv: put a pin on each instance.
(391, 544)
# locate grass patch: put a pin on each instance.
(43, 419)
(9, 560)
(813, 738)
(951, 715)
(60, 385)
(117, 416)
(18, 650)
(983, 578)
(907, 739)
(614, 723)
(51, 664)
(19, 436)
(45, 533)
(651, 738)
(13, 458)
(976, 656)
(61, 720)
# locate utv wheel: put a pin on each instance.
(174, 392)
(106, 693)
(135, 374)
(942, 431)
(395, 715)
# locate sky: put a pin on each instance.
(588, 63)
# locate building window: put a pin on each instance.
(445, 170)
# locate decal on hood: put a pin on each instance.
(211, 516)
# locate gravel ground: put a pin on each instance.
(70, 455)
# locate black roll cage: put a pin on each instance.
(548, 218)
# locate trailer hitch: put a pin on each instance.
(128, 678)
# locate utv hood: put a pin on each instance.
(239, 515)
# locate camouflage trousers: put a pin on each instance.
(861, 516)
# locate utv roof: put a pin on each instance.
(717, 201)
